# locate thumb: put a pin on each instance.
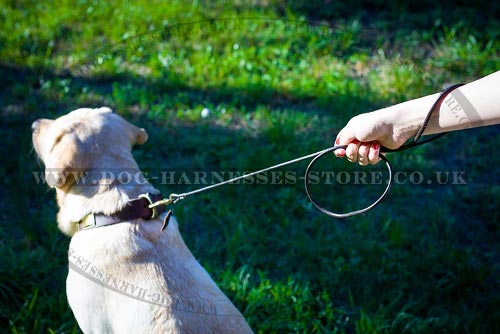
(344, 137)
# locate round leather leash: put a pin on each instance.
(415, 142)
(352, 213)
(174, 198)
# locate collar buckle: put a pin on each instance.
(88, 221)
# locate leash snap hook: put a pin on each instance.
(174, 198)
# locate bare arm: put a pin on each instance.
(472, 105)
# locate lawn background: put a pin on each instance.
(280, 79)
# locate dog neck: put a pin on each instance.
(104, 190)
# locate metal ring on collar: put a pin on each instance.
(154, 212)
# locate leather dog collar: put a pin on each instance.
(135, 209)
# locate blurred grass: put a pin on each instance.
(279, 79)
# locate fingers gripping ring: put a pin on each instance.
(352, 213)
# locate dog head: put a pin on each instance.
(83, 139)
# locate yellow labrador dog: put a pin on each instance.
(125, 274)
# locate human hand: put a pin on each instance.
(391, 127)
(364, 134)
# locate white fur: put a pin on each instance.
(174, 294)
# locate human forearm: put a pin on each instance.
(475, 104)
(472, 105)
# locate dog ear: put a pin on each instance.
(135, 134)
(142, 136)
(103, 110)
(63, 160)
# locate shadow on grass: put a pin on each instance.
(401, 15)
(413, 257)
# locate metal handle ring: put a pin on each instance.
(352, 213)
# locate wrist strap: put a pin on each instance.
(435, 107)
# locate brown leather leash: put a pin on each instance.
(174, 198)
(149, 206)
(415, 142)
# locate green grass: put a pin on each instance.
(280, 80)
